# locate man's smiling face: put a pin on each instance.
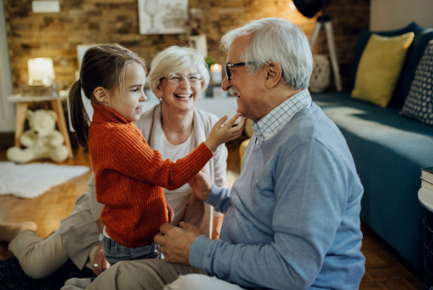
(246, 87)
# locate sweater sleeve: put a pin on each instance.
(219, 198)
(310, 200)
(131, 155)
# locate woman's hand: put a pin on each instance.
(100, 264)
(222, 133)
(170, 211)
(216, 227)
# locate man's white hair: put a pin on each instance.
(275, 40)
(176, 59)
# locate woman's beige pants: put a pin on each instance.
(41, 257)
(155, 274)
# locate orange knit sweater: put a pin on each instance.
(129, 177)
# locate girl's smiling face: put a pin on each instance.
(181, 96)
(130, 103)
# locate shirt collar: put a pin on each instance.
(275, 120)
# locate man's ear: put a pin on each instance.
(273, 74)
(102, 95)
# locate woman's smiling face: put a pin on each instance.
(181, 96)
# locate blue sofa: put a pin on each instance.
(389, 150)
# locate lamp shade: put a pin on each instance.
(41, 71)
(308, 8)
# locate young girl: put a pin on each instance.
(129, 175)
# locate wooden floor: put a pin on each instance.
(383, 267)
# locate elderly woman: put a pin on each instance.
(174, 127)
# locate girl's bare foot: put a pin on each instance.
(8, 231)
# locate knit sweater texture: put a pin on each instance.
(292, 217)
(129, 177)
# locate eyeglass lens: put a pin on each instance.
(228, 72)
(192, 78)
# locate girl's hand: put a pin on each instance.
(222, 133)
(100, 264)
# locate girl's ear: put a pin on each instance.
(102, 95)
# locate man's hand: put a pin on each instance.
(201, 185)
(175, 242)
(100, 261)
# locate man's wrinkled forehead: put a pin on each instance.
(236, 48)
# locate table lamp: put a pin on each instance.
(41, 71)
(41, 78)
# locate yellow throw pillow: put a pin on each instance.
(380, 67)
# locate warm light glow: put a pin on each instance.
(292, 5)
(41, 71)
(216, 73)
(216, 67)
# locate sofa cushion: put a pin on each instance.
(384, 127)
(388, 151)
(419, 103)
(362, 41)
(414, 54)
(380, 67)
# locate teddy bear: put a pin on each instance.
(42, 139)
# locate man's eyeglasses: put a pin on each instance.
(229, 65)
(176, 78)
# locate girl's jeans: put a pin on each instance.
(115, 252)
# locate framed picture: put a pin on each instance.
(162, 16)
(199, 42)
(81, 50)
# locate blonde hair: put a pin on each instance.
(174, 60)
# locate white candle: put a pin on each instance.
(216, 73)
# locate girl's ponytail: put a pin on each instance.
(79, 118)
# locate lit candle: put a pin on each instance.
(216, 73)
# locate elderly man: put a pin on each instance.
(292, 217)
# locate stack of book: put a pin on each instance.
(427, 178)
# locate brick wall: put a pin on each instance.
(56, 35)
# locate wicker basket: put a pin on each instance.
(320, 77)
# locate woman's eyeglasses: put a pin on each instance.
(176, 78)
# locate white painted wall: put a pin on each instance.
(395, 14)
(7, 112)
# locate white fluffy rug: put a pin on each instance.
(31, 180)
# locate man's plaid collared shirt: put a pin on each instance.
(272, 123)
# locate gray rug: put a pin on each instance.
(12, 276)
